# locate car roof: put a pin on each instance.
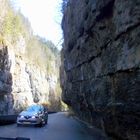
(35, 107)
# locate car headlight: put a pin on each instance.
(21, 116)
(33, 117)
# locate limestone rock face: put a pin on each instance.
(23, 84)
(100, 72)
(29, 65)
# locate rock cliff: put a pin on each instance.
(6, 98)
(23, 83)
(100, 72)
(29, 67)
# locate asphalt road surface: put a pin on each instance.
(60, 127)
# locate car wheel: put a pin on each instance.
(40, 124)
(46, 121)
(18, 125)
(43, 122)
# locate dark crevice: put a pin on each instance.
(105, 46)
(78, 48)
(81, 32)
(124, 71)
(92, 57)
(114, 135)
(106, 12)
(86, 16)
(78, 81)
(87, 1)
(110, 74)
(102, 27)
(70, 45)
(128, 30)
(89, 32)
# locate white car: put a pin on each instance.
(33, 115)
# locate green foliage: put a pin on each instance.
(12, 23)
(12, 26)
(39, 51)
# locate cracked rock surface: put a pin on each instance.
(100, 72)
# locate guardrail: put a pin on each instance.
(18, 138)
(7, 119)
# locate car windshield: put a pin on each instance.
(33, 108)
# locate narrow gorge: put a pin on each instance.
(100, 72)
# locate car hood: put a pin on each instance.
(27, 113)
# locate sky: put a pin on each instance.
(45, 17)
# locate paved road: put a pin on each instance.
(60, 127)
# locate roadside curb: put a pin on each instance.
(93, 130)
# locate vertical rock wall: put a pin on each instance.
(100, 72)
(6, 98)
(23, 84)
(30, 82)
